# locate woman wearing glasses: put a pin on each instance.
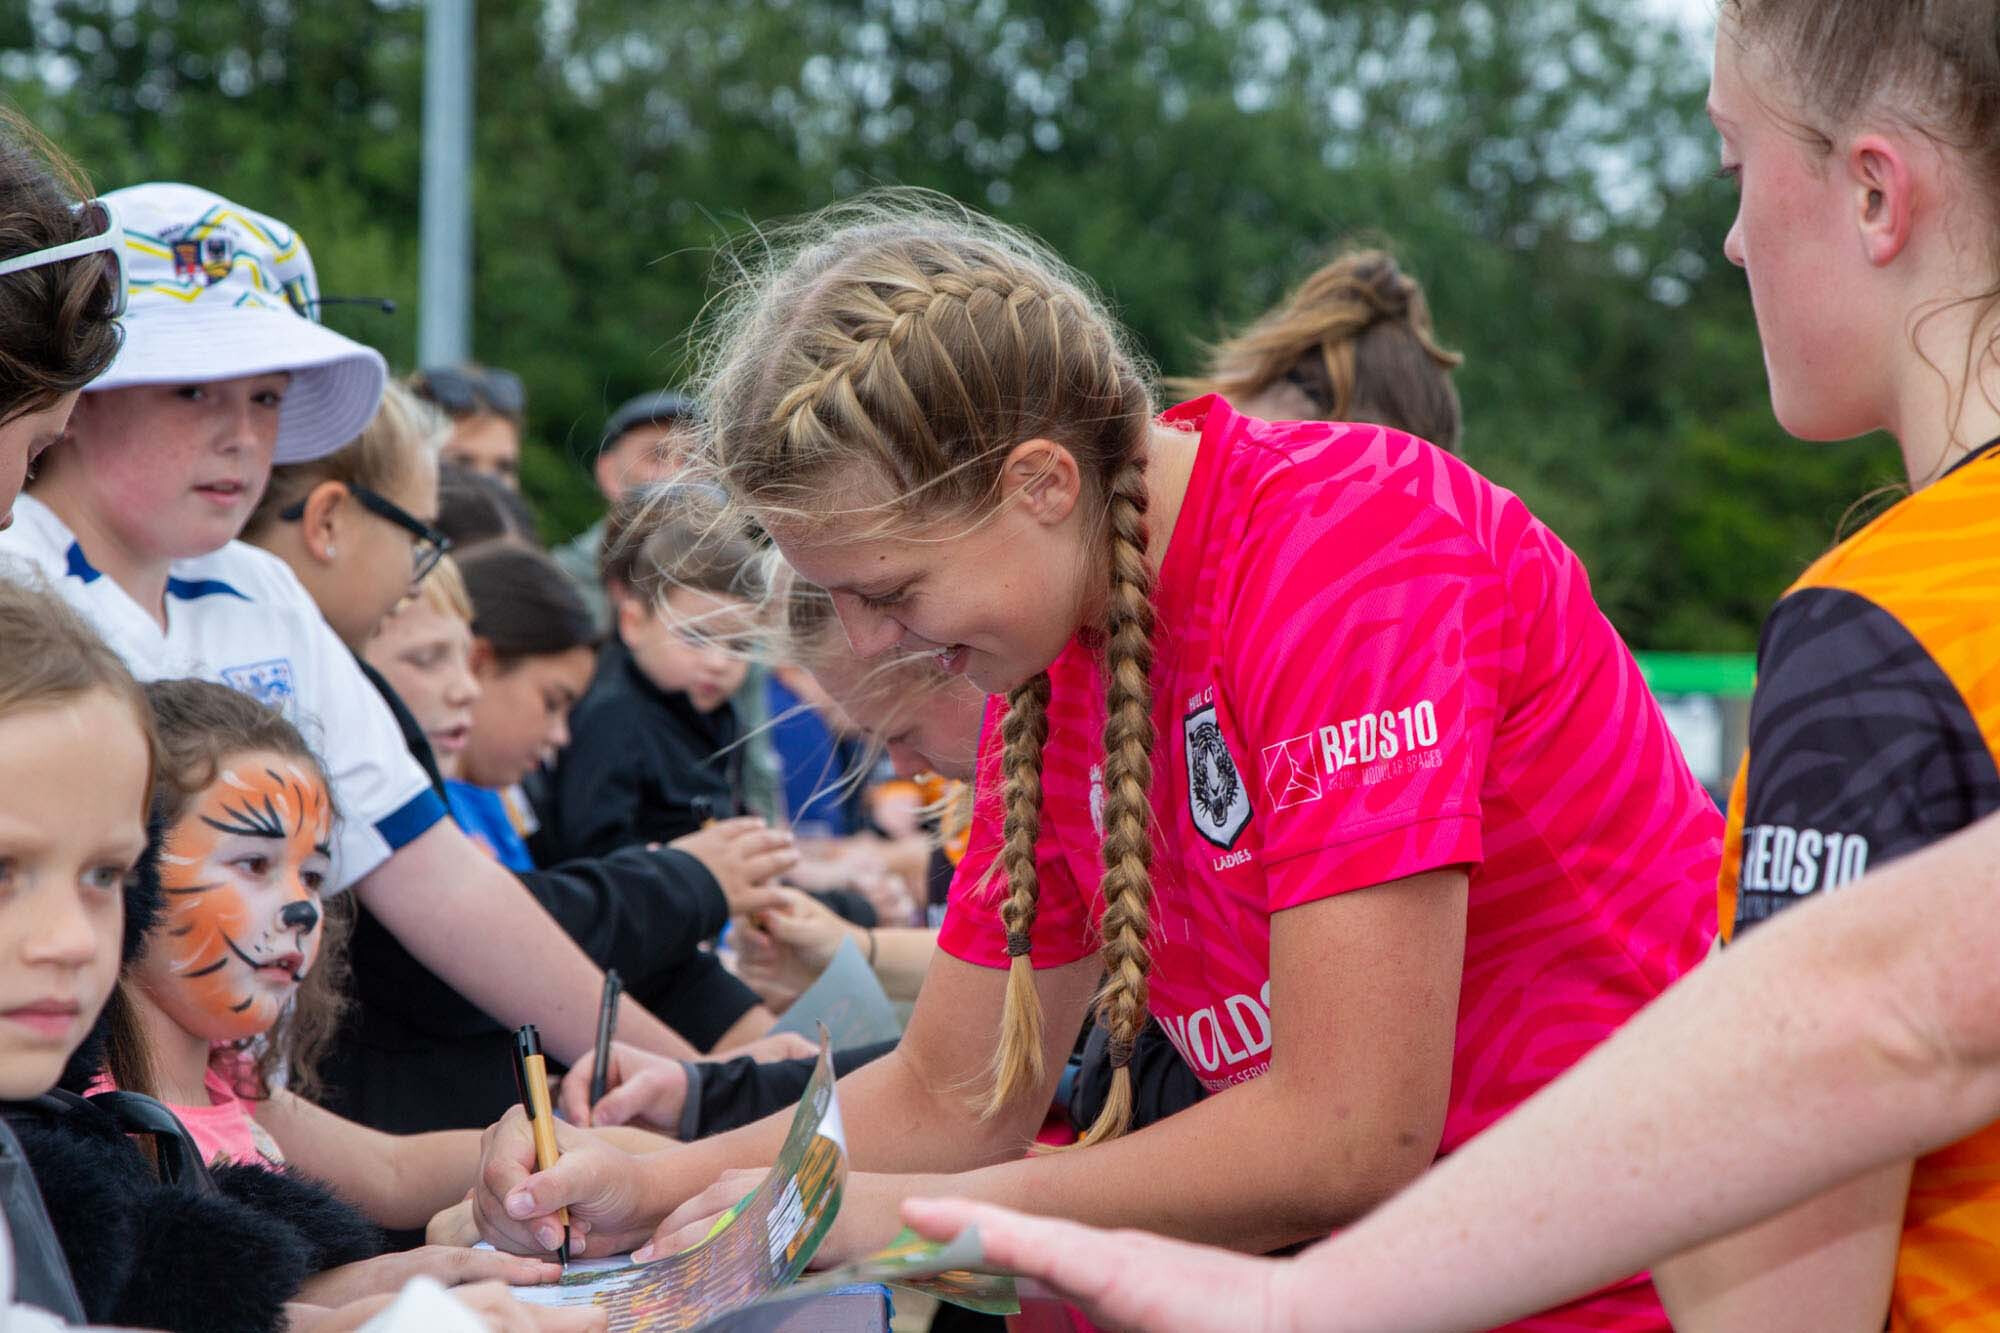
(60, 295)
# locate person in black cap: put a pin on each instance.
(644, 441)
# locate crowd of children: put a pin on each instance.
(1272, 797)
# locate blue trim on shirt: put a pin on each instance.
(401, 826)
(189, 589)
(80, 566)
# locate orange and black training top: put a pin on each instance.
(1875, 731)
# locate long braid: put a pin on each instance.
(1017, 1061)
(885, 358)
(1128, 784)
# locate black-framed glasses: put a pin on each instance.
(107, 238)
(470, 390)
(427, 544)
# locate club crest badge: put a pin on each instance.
(206, 260)
(1217, 800)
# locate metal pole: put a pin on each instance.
(444, 304)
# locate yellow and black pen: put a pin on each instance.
(531, 1073)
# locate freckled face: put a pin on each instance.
(243, 871)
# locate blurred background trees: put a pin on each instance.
(1542, 165)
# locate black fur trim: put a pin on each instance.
(149, 1255)
(334, 1231)
(208, 1263)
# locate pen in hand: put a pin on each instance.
(607, 1027)
(531, 1074)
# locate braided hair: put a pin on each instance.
(906, 340)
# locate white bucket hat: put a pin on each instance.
(218, 292)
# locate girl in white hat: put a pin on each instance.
(224, 372)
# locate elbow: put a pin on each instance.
(1344, 1186)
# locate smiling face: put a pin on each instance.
(1827, 350)
(170, 471)
(243, 870)
(67, 841)
(522, 716)
(23, 440)
(992, 597)
(426, 654)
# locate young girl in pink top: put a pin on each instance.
(238, 990)
(1314, 745)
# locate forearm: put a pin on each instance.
(398, 1180)
(893, 1119)
(902, 956)
(1291, 1172)
(464, 917)
(1828, 1016)
(1823, 1266)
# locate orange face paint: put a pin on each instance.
(242, 872)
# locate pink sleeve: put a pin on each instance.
(1364, 653)
(972, 930)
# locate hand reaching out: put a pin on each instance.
(745, 856)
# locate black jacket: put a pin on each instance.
(414, 1055)
(642, 766)
(217, 1255)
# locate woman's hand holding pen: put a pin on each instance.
(603, 1187)
(746, 856)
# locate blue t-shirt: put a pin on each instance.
(482, 813)
(816, 766)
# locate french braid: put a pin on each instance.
(905, 345)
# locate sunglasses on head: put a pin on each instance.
(107, 238)
(463, 392)
(427, 544)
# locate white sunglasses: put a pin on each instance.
(110, 239)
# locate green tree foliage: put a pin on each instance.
(1541, 164)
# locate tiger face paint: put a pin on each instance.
(243, 871)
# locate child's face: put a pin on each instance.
(67, 840)
(426, 654)
(694, 644)
(173, 470)
(522, 716)
(243, 871)
(927, 721)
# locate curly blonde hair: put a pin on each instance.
(907, 340)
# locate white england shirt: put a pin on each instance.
(240, 616)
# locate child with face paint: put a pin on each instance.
(246, 955)
(71, 714)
